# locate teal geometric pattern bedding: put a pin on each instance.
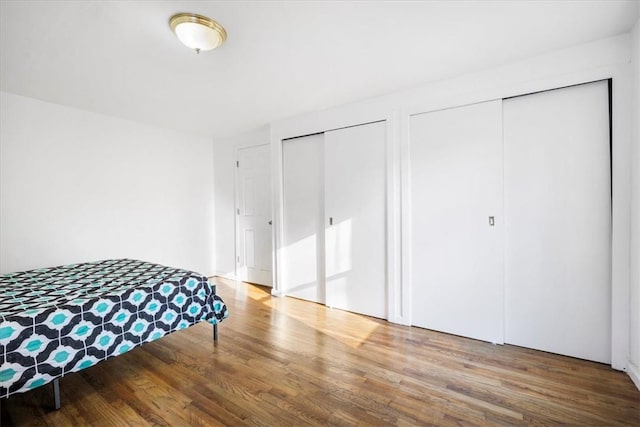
(59, 320)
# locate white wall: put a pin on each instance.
(225, 156)
(634, 367)
(77, 186)
(601, 59)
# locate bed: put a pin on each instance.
(59, 320)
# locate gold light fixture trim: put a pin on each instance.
(197, 32)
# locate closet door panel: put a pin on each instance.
(355, 203)
(456, 252)
(557, 206)
(303, 199)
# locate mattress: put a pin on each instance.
(59, 320)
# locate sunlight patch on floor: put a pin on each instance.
(348, 328)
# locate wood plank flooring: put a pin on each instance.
(282, 362)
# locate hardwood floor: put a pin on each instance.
(282, 361)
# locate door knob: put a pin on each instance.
(270, 222)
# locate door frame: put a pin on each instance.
(620, 116)
(236, 206)
(392, 202)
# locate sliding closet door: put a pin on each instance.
(557, 207)
(355, 206)
(303, 249)
(457, 222)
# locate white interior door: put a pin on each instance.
(303, 214)
(355, 207)
(557, 207)
(456, 254)
(253, 210)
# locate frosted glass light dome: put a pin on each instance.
(197, 32)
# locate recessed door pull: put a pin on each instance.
(492, 221)
(330, 220)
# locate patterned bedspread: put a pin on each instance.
(63, 319)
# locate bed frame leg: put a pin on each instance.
(215, 332)
(56, 393)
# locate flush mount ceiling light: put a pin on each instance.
(197, 32)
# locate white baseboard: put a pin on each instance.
(634, 373)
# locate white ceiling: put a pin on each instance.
(281, 57)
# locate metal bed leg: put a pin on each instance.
(215, 332)
(56, 393)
